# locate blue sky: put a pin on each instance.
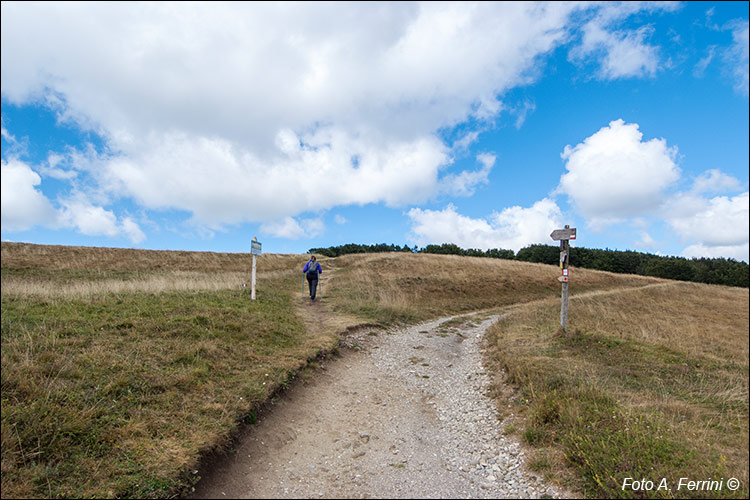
(199, 126)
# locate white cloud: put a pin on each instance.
(736, 252)
(318, 176)
(15, 148)
(7, 135)
(229, 110)
(339, 219)
(467, 140)
(622, 53)
(628, 55)
(247, 111)
(736, 56)
(717, 222)
(513, 228)
(77, 212)
(89, 219)
(646, 241)
(614, 175)
(715, 181)
(58, 166)
(23, 205)
(465, 183)
(288, 227)
(700, 67)
(526, 108)
(132, 230)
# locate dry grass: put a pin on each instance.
(392, 287)
(54, 272)
(649, 382)
(52, 257)
(122, 367)
(163, 281)
(702, 320)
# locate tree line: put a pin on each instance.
(717, 271)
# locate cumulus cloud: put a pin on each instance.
(715, 181)
(313, 172)
(513, 228)
(718, 223)
(89, 219)
(227, 111)
(614, 174)
(258, 112)
(290, 228)
(92, 220)
(23, 205)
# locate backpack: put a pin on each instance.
(312, 269)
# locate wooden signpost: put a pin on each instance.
(564, 236)
(254, 250)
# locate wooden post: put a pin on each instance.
(564, 252)
(255, 249)
(564, 235)
(252, 282)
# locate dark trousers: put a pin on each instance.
(313, 282)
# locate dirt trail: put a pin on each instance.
(402, 414)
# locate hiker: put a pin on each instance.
(312, 269)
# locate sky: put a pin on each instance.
(199, 126)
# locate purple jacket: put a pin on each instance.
(307, 267)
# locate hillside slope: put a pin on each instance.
(121, 368)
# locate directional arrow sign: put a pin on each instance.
(564, 234)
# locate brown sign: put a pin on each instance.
(569, 233)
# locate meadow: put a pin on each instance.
(647, 383)
(123, 369)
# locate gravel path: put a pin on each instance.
(404, 415)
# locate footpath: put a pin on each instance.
(403, 413)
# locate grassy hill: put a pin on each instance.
(122, 368)
(647, 382)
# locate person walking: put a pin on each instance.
(312, 269)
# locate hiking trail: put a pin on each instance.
(403, 413)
